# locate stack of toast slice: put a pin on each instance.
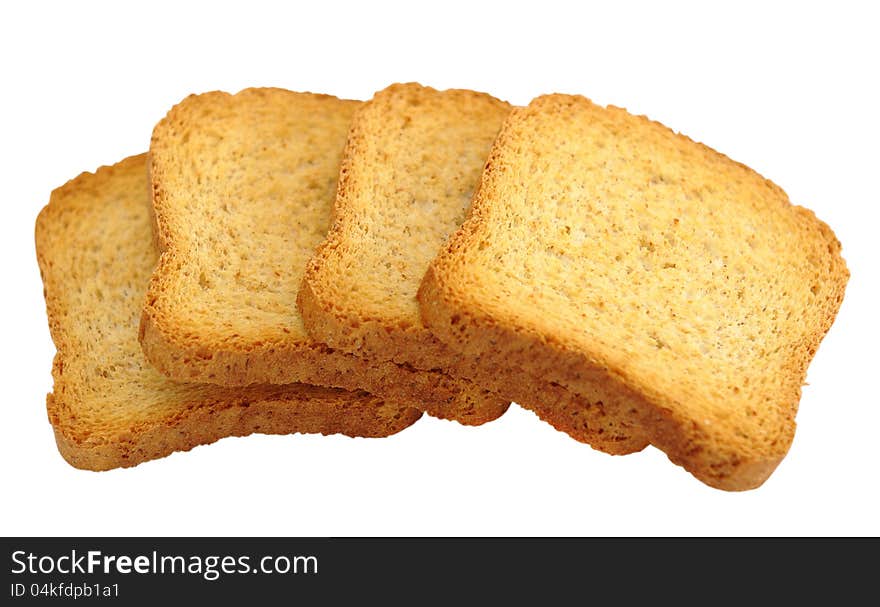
(290, 262)
(243, 189)
(412, 162)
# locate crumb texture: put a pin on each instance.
(109, 407)
(243, 188)
(605, 250)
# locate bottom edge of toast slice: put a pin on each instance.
(204, 423)
(435, 392)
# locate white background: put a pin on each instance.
(789, 90)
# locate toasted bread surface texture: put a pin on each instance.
(243, 188)
(618, 259)
(109, 408)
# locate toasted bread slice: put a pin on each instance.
(409, 169)
(243, 187)
(650, 274)
(109, 407)
(413, 159)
